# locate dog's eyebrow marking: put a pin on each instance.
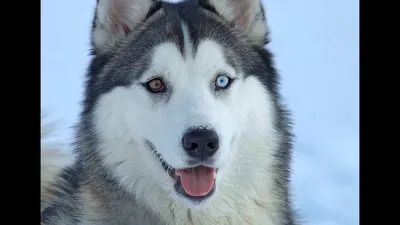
(230, 59)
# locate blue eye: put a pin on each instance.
(223, 81)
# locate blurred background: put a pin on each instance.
(316, 47)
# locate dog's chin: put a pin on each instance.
(194, 184)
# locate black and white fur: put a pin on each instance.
(128, 138)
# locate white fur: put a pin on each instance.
(127, 116)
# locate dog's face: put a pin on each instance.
(175, 89)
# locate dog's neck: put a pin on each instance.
(232, 204)
(239, 199)
(226, 208)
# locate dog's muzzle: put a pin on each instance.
(194, 183)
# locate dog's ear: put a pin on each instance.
(245, 15)
(114, 19)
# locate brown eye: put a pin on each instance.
(155, 85)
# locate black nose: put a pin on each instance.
(200, 143)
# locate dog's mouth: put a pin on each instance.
(194, 183)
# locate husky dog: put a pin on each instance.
(182, 121)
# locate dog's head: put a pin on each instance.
(176, 90)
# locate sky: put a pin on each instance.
(316, 47)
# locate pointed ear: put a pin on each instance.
(114, 19)
(245, 15)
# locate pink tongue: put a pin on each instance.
(197, 181)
